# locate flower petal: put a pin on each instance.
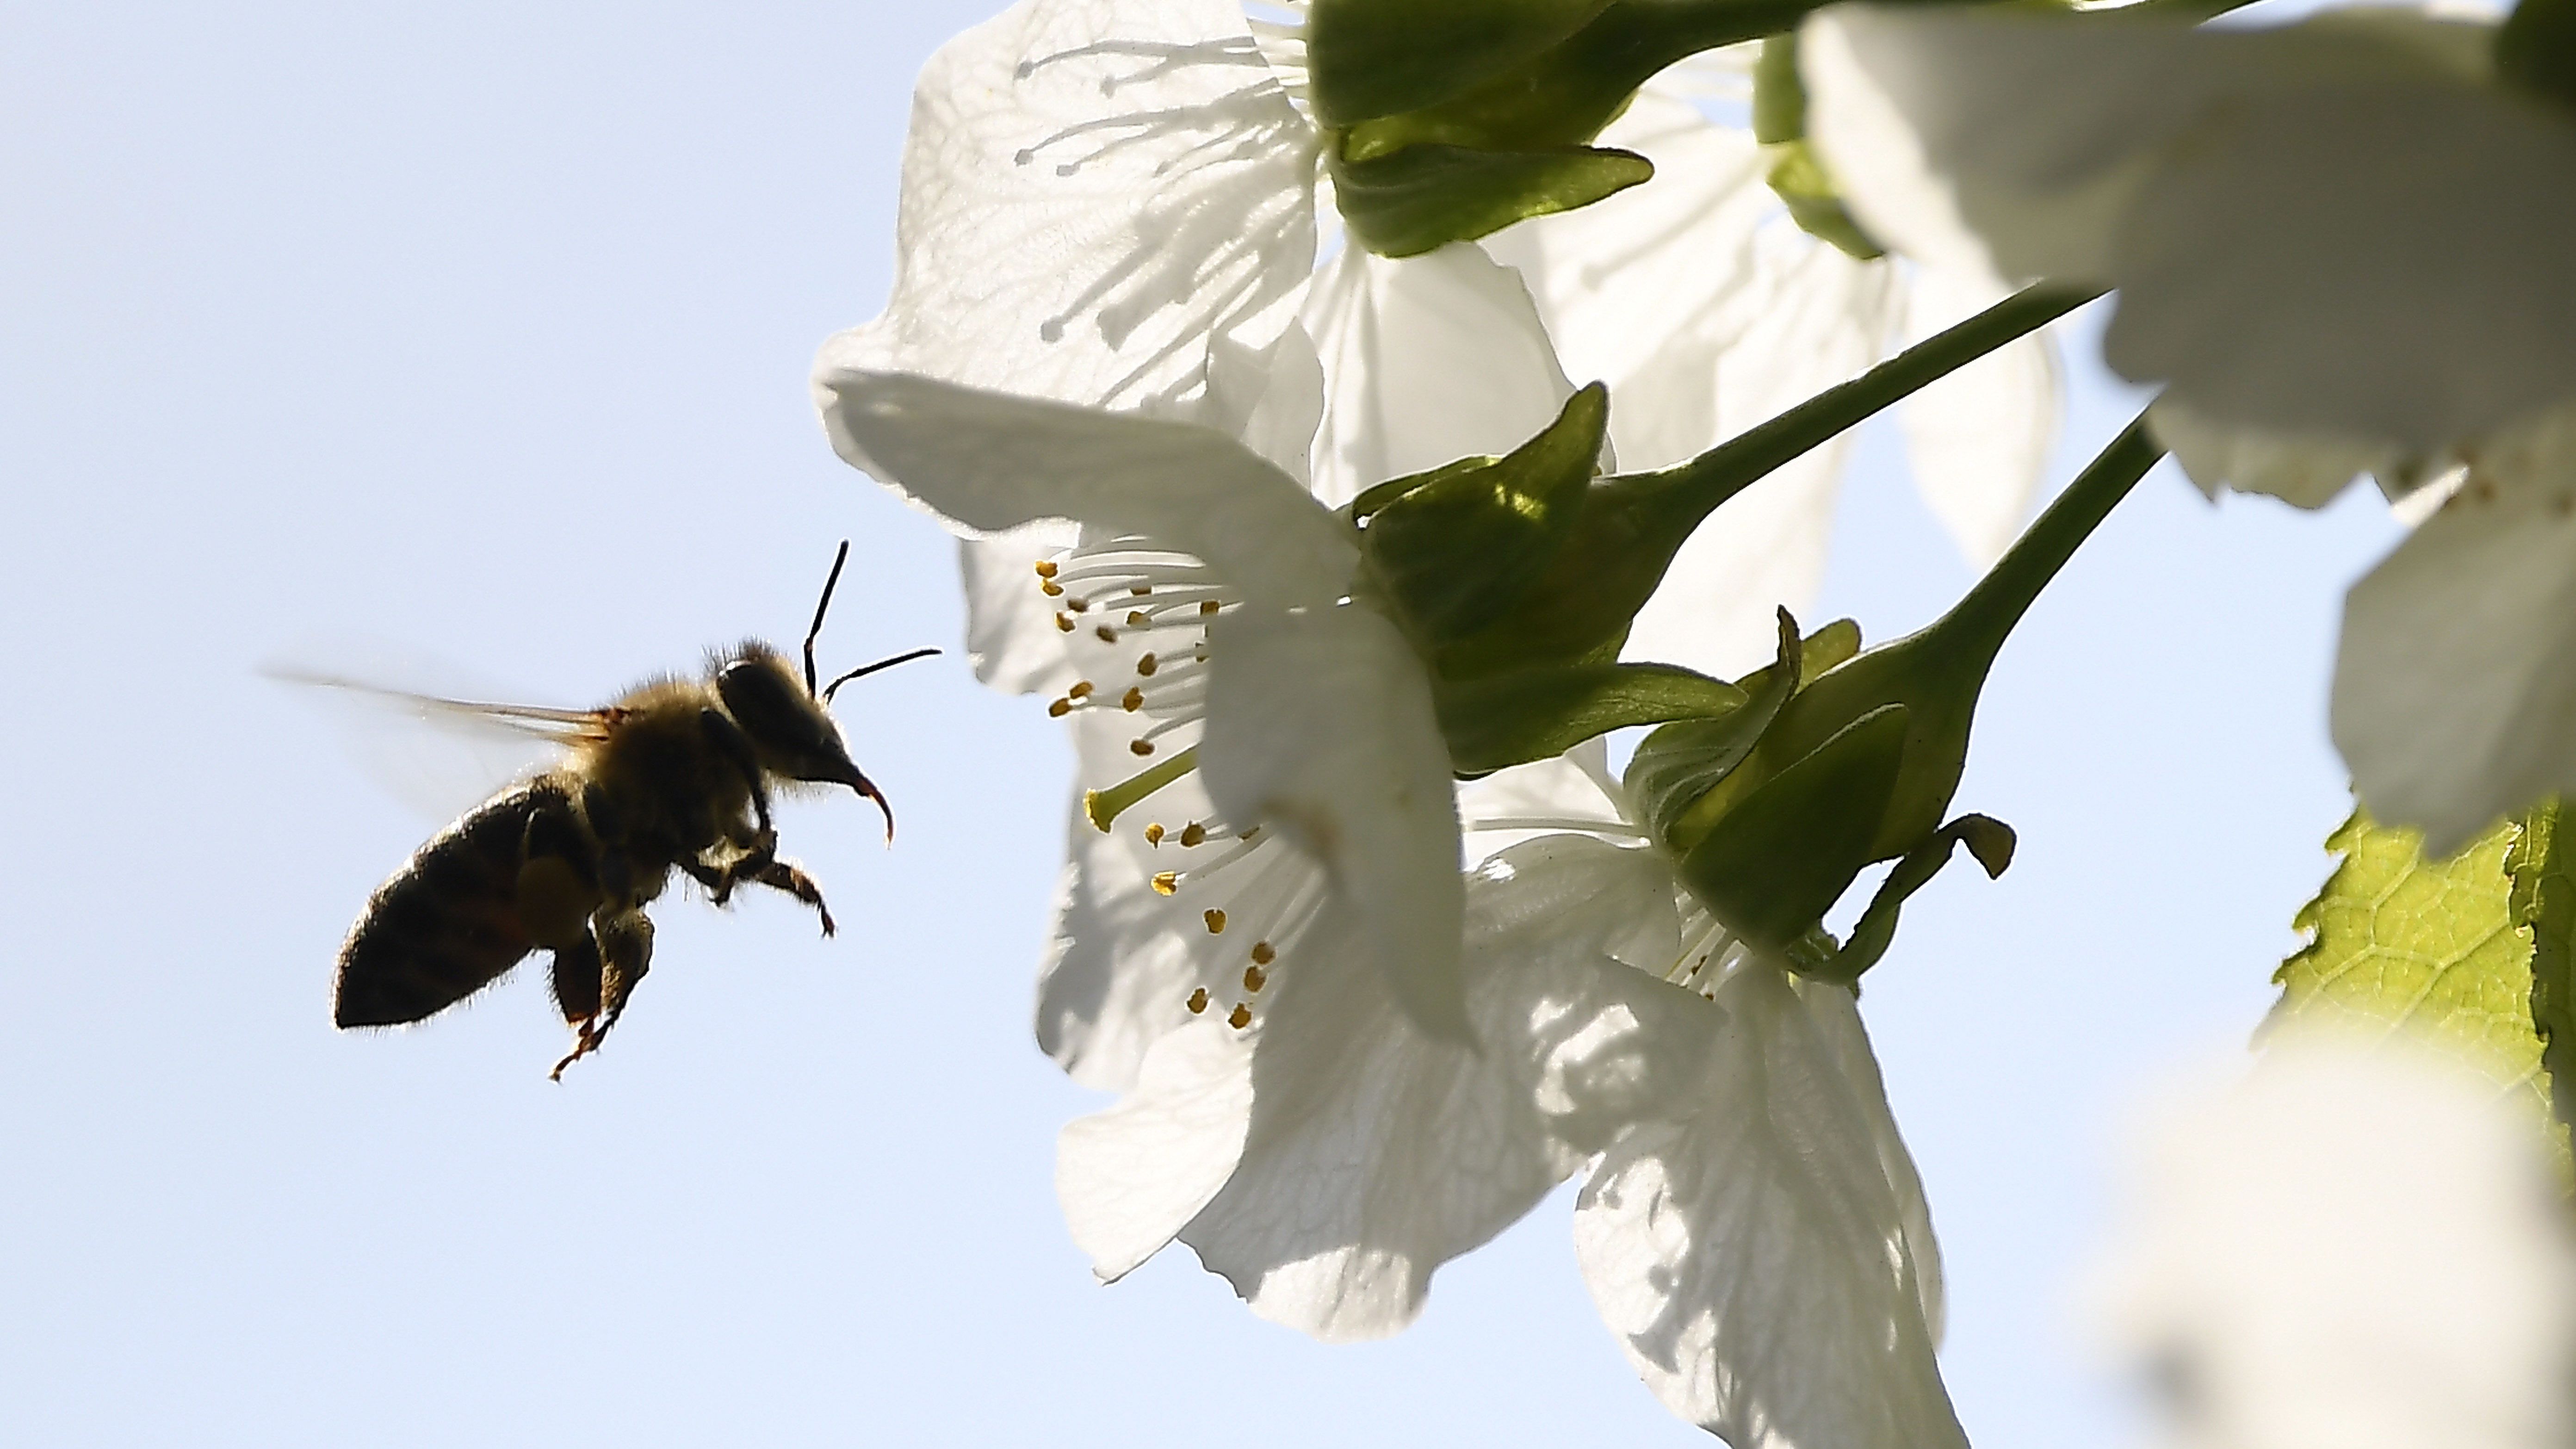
(2455, 683)
(1427, 360)
(1320, 727)
(2340, 226)
(1376, 1153)
(2306, 472)
(1131, 1177)
(1118, 971)
(1093, 192)
(986, 461)
(1012, 642)
(1750, 1254)
(1978, 439)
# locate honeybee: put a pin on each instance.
(674, 775)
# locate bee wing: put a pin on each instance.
(439, 753)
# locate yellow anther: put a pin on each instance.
(1140, 747)
(1078, 604)
(1147, 665)
(1064, 622)
(1132, 701)
(1154, 833)
(1081, 690)
(1193, 834)
(1240, 1017)
(1198, 1001)
(1138, 619)
(1250, 836)
(1060, 709)
(1262, 955)
(1051, 589)
(1254, 978)
(1107, 634)
(1208, 606)
(1215, 921)
(1140, 590)
(1046, 568)
(1166, 882)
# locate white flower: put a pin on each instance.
(2358, 1247)
(1753, 1229)
(1708, 310)
(1309, 719)
(2340, 246)
(1112, 202)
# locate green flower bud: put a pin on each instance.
(1422, 198)
(1367, 58)
(1773, 809)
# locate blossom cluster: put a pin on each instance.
(1341, 448)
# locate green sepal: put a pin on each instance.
(1682, 764)
(1799, 179)
(2535, 49)
(1422, 198)
(1369, 58)
(1778, 860)
(2543, 868)
(1989, 841)
(1454, 547)
(1537, 714)
(1797, 175)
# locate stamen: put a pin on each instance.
(1081, 690)
(1140, 590)
(1107, 634)
(1145, 666)
(1240, 1017)
(1262, 955)
(1104, 806)
(1154, 833)
(1138, 619)
(1193, 834)
(1208, 606)
(1167, 882)
(1051, 589)
(1140, 747)
(1046, 568)
(1078, 604)
(1060, 708)
(1133, 700)
(1254, 978)
(1064, 622)
(1216, 924)
(1198, 1001)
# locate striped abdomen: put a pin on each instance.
(448, 922)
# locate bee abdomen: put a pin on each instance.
(448, 923)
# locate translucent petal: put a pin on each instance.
(2308, 472)
(1978, 439)
(985, 462)
(1130, 1177)
(1092, 193)
(1320, 727)
(1750, 1253)
(1121, 963)
(1427, 360)
(2335, 227)
(2455, 682)
(1011, 639)
(2361, 1245)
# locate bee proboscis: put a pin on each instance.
(674, 775)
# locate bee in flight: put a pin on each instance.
(675, 775)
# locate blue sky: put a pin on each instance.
(483, 329)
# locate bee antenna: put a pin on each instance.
(873, 668)
(820, 607)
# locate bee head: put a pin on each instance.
(788, 727)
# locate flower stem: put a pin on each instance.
(1691, 491)
(1995, 603)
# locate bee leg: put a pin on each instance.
(735, 746)
(625, 949)
(575, 976)
(783, 875)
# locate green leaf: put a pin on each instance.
(2434, 948)
(1459, 544)
(1369, 58)
(1422, 198)
(1511, 719)
(2544, 901)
